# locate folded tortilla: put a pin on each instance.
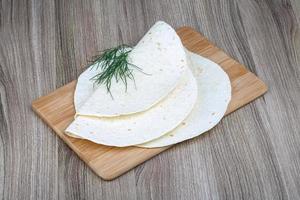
(161, 57)
(140, 127)
(183, 96)
(214, 94)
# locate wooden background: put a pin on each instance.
(252, 154)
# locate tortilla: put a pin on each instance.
(214, 94)
(161, 57)
(141, 127)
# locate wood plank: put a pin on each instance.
(57, 110)
(252, 154)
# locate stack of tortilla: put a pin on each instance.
(177, 95)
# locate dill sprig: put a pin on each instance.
(113, 64)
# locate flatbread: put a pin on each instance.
(141, 127)
(161, 57)
(214, 94)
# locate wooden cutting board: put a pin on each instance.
(57, 110)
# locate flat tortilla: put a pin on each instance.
(214, 94)
(160, 54)
(141, 127)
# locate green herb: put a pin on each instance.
(114, 64)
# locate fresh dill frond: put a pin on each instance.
(113, 64)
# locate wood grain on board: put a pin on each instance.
(57, 110)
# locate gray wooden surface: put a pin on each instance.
(252, 154)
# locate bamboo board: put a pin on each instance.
(57, 110)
